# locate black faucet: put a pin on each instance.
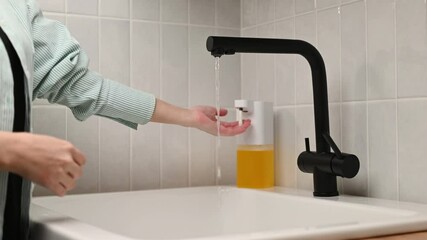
(324, 165)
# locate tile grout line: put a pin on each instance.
(368, 153)
(275, 59)
(216, 152)
(340, 82)
(131, 85)
(241, 56)
(189, 177)
(276, 152)
(99, 119)
(302, 13)
(160, 93)
(66, 112)
(396, 100)
(295, 95)
(138, 20)
(257, 55)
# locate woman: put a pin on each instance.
(39, 59)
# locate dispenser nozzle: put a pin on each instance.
(239, 115)
(241, 107)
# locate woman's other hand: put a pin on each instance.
(50, 162)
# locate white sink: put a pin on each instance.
(220, 213)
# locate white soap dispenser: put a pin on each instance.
(255, 150)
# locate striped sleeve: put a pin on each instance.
(61, 75)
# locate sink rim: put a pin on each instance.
(414, 222)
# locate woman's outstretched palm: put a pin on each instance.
(206, 120)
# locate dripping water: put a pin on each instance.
(218, 137)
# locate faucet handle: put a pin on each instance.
(332, 144)
(343, 164)
(307, 144)
(337, 163)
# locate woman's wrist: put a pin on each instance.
(7, 141)
(171, 114)
(187, 118)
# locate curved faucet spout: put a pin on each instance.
(219, 46)
(324, 180)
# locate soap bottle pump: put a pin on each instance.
(255, 147)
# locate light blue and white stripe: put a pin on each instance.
(56, 68)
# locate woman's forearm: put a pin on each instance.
(171, 114)
(204, 118)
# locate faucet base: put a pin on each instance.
(326, 194)
(325, 184)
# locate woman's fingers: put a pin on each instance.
(59, 189)
(230, 124)
(78, 157)
(207, 118)
(222, 112)
(233, 128)
(245, 123)
(74, 171)
(67, 182)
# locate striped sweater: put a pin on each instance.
(56, 68)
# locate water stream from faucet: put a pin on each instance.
(218, 123)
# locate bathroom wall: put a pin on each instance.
(156, 46)
(376, 59)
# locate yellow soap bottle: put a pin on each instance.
(255, 150)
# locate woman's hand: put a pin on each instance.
(205, 119)
(200, 117)
(50, 162)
